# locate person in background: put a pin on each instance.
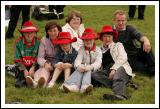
(58, 10)
(15, 11)
(75, 27)
(136, 44)
(26, 52)
(46, 56)
(132, 10)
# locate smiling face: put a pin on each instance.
(75, 22)
(107, 39)
(88, 43)
(66, 47)
(120, 21)
(29, 36)
(53, 33)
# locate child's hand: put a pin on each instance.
(31, 71)
(26, 73)
(81, 69)
(67, 65)
(88, 68)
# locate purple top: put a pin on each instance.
(47, 52)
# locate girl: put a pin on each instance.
(88, 60)
(65, 56)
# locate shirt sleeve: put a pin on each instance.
(41, 54)
(135, 33)
(79, 58)
(18, 58)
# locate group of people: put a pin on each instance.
(72, 50)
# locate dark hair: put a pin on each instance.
(50, 25)
(109, 33)
(73, 13)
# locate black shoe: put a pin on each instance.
(113, 97)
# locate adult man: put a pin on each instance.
(140, 58)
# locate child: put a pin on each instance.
(88, 60)
(116, 68)
(65, 57)
(26, 51)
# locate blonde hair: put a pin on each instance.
(119, 12)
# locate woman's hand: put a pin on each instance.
(111, 74)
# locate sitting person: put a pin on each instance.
(89, 59)
(26, 52)
(140, 58)
(64, 58)
(116, 69)
(46, 57)
(75, 27)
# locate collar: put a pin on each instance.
(70, 51)
(28, 44)
(92, 49)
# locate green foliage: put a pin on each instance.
(95, 17)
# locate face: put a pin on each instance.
(89, 43)
(53, 33)
(107, 39)
(29, 36)
(66, 47)
(120, 21)
(75, 22)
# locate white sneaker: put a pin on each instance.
(30, 82)
(86, 88)
(50, 84)
(70, 88)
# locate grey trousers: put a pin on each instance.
(79, 79)
(118, 84)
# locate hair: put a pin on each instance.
(120, 12)
(72, 14)
(50, 25)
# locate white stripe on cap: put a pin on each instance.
(28, 28)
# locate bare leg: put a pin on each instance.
(67, 73)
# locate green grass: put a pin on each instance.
(95, 17)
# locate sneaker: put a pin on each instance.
(113, 97)
(30, 82)
(86, 89)
(41, 82)
(50, 84)
(70, 88)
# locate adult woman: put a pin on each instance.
(46, 56)
(75, 27)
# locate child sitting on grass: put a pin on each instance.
(65, 57)
(89, 59)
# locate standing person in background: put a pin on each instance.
(132, 10)
(58, 10)
(75, 27)
(15, 13)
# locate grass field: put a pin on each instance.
(95, 17)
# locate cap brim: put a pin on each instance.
(64, 41)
